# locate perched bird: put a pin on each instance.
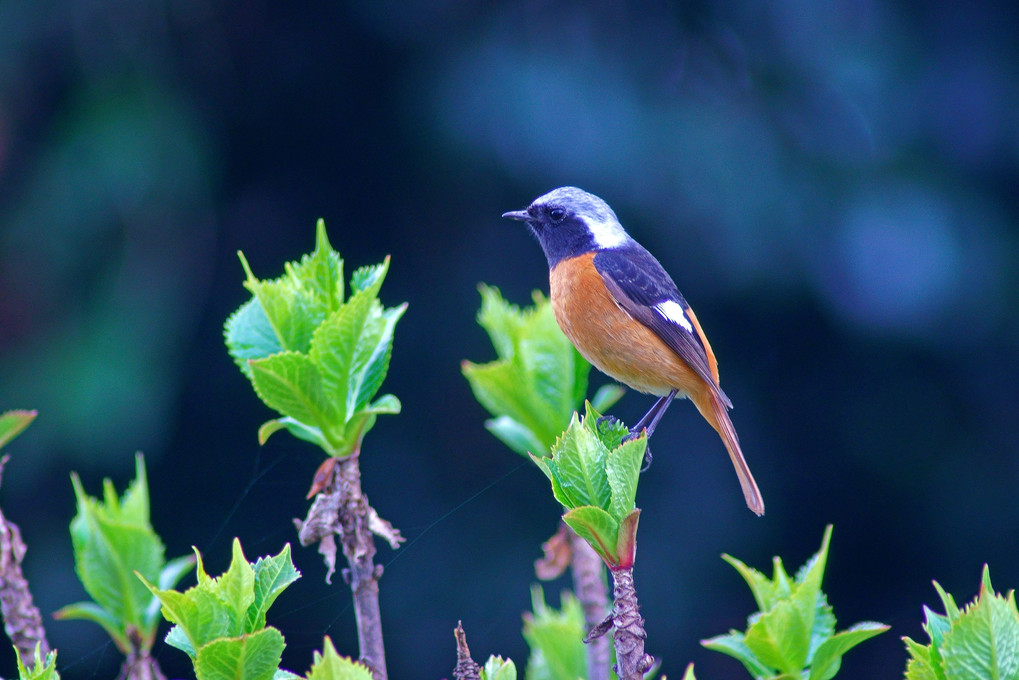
(622, 311)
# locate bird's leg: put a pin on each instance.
(649, 422)
(654, 414)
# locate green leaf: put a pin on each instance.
(581, 461)
(598, 528)
(272, 575)
(735, 646)
(984, 640)
(828, 658)
(780, 638)
(40, 670)
(90, 611)
(688, 674)
(291, 383)
(515, 435)
(606, 396)
(622, 468)
(254, 656)
(290, 308)
(555, 638)
(331, 666)
(13, 423)
(369, 278)
(321, 272)
(497, 668)
(539, 378)
(112, 540)
(386, 404)
(249, 335)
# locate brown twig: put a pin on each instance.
(340, 508)
(139, 665)
(592, 593)
(22, 620)
(627, 626)
(466, 668)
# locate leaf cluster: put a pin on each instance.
(113, 540)
(792, 636)
(42, 669)
(539, 378)
(555, 638)
(329, 665)
(977, 642)
(594, 476)
(220, 622)
(313, 356)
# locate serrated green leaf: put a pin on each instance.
(780, 638)
(368, 279)
(178, 639)
(13, 423)
(598, 528)
(291, 383)
(249, 335)
(984, 640)
(735, 646)
(289, 307)
(41, 669)
(515, 435)
(622, 468)
(760, 585)
(497, 668)
(272, 575)
(331, 666)
(921, 665)
(828, 657)
(548, 467)
(581, 459)
(321, 272)
(555, 638)
(339, 348)
(255, 656)
(198, 613)
(235, 589)
(368, 379)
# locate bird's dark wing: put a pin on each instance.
(645, 291)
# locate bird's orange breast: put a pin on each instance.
(613, 341)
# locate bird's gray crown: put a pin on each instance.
(593, 211)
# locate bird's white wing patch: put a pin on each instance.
(672, 311)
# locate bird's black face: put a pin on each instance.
(569, 222)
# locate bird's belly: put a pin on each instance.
(613, 341)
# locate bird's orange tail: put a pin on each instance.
(715, 412)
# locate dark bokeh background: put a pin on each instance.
(833, 185)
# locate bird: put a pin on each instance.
(624, 314)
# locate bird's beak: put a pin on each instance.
(520, 215)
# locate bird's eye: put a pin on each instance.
(557, 215)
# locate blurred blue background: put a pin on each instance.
(833, 186)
